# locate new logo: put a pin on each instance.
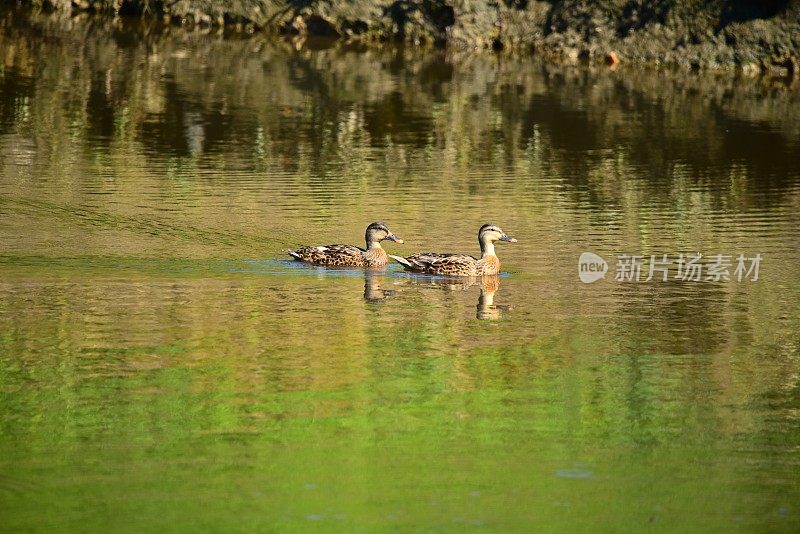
(591, 267)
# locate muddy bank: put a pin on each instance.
(750, 35)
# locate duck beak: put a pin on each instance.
(508, 238)
(392, 237)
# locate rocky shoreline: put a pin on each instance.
(747, 35)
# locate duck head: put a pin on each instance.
(377, 232)
(490, 232)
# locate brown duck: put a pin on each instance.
(460, 264)
(350, 255)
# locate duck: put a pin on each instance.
(350, 255)
(460, 264)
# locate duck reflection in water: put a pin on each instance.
(488, 285)
(374, 286)
(487, 309)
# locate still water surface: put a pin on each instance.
(163, 365)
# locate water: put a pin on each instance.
(163, 366)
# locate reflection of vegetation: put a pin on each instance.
(287, 382)
(316, 111)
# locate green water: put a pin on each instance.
(164, 367)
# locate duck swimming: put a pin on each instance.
(460, 264)
(351, 255)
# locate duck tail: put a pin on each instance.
(404, 262)
(293, 254)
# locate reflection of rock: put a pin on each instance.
(296, 112)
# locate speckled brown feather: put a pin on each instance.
(450, 264)
(340, 256)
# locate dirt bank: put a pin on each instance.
(751, 35)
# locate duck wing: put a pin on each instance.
(417, 262)
(329, 254)
(438, 263)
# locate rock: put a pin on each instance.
(571, 54)
(751, 69)
(724, 34)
